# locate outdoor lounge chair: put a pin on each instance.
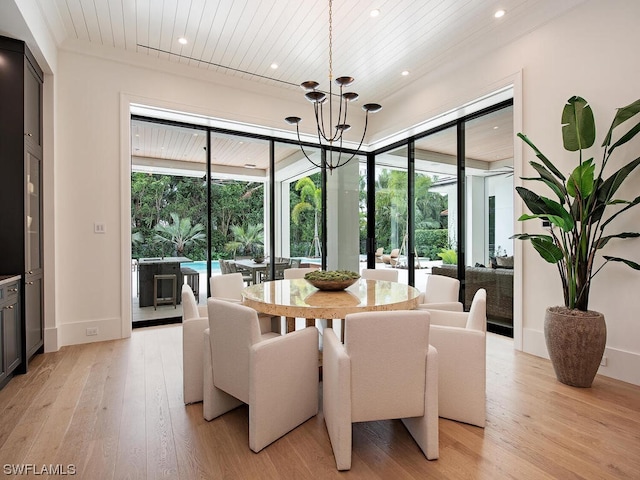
(392, 256)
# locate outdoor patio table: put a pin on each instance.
(255, 267)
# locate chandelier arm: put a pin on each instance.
(337, 134)
(303, 151)
(319, 123)
(364, 132)
(328, 135)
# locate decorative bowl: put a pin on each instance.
(332, 285)
(258, 259)
(331, 279)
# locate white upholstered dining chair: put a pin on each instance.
(277, 376)
(229, 287)
(442, 293)
(194, 323)
(460, 338)
(385, 369)
(291, 273)
(386, 274)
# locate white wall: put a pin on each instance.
(501, 187)
(92, 171)
(588, 52)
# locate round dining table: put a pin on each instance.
(297, 298)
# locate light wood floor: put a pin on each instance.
(114, 410)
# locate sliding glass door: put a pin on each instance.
(168, 217)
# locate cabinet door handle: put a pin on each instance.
(29, 134)
(12, 289)
(9, 307)
(29, 283)
(30, 272)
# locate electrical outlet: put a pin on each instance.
(92, 331)
(603, 362)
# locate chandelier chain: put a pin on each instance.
(330, 41)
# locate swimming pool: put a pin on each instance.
(201, 266)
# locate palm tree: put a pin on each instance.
(310, 200)
(245, 240)
(180, 233)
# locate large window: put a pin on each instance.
(437, 203)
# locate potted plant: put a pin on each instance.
(579, 213)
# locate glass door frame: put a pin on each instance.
(409, 142)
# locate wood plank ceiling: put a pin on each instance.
(243, 38)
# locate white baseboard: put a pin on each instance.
(51, 343)
(76, 333)
(620, 364)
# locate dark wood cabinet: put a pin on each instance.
(10, 327)
(21, 146)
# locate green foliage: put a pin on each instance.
(306, 205)
(449, 257)
(577, 226)
(180, 234)
(154, 197)
(430, 242)
(246, 241)
(391, 207)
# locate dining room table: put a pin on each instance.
(297, 298)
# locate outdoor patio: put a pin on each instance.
(149, 314)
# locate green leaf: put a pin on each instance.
(549, 179)
(578, 125)
(604, 240)
(622, 115)
(543, 207)
(581, 181)
(542, 157)
(629, 263)
(632, 203)
(557, 210)
(611, 184)
(626, 137)
(532, 200)
(528, 236)
(547, 250)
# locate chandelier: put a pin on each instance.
(331, 137)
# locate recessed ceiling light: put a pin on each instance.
(496, 127)
(182, 41)
(405, 73)
(375, 13)
(499, 14)
(274, 65)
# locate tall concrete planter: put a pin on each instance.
(576, 341)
